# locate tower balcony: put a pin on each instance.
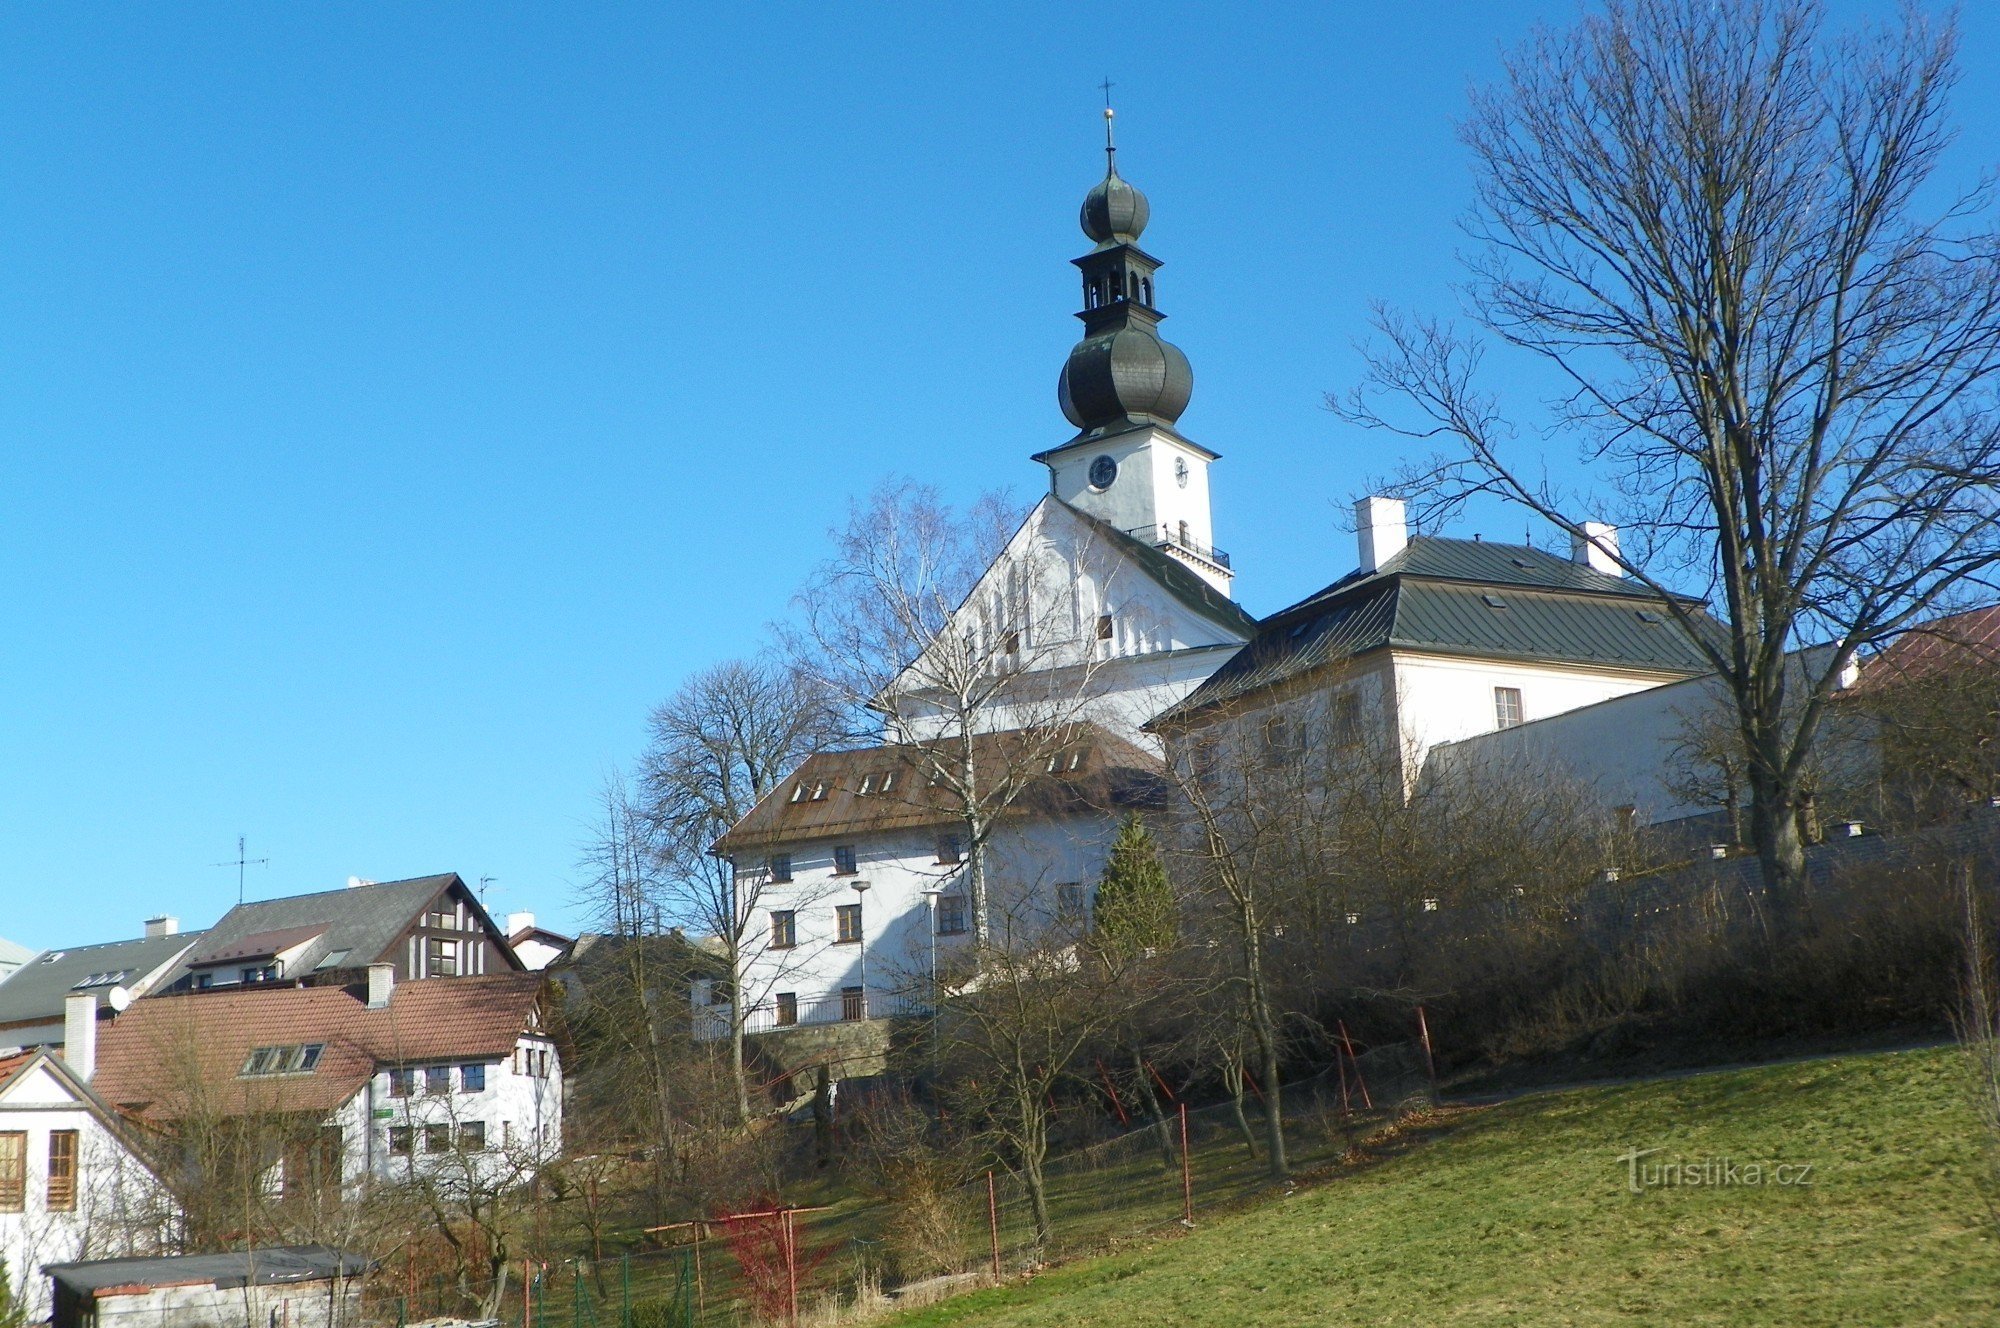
(1170, 539)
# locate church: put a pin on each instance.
(1109, 619)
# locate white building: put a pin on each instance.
(1432, 641)
(451, 1077)
(72, 1183)
(536, 947)
(853, 875)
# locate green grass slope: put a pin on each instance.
(1525, 1214)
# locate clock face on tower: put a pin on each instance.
(1102, 472)
(1180, 471)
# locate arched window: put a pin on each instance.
(1090, 295)
(1131, 285)
(1145, 290)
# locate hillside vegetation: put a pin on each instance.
(1526, 1214)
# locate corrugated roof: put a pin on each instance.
(363, 920)
(233, 1268)
(1460, 597)
(1111, 773)
(34, 993)
(168, 1053)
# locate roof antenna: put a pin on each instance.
(1530, 531)
(1110, 146)
(485, 881)
(240, 863)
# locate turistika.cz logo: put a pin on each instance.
(1715, 1173)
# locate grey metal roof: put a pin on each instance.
(234, 1268)
(1460, 597)
(1175, 577)
(36, 990)
(363, 920)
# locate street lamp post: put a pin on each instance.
(934, 895)
(861, 934)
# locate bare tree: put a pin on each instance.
(918, 620)
(1705, 215)
(723, 739)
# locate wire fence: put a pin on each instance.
(815, 1265)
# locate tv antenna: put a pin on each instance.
(240, 863)
(485, 881)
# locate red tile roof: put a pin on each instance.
(172, 1056)
(1962, 640)
(11, 1065)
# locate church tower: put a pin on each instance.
(1123, 387)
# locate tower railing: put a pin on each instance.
(1169, 537)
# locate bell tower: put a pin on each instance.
(1124, 388)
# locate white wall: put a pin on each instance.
(121, 1208)
(1026, 862)
(1148, 492)
(1051, 584)
(520, 1108)
(289, 1304)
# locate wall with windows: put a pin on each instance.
(435, 1117)
(69, 1188)
(820, 951)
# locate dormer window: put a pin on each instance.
(819, 792)
(799, 792)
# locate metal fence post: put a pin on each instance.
(993, 1224)
(1187, 1174)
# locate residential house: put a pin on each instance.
(114, 973)
(536, 947)
(425, 927)
(854, 872)
(390, 1079)
(1433, 640)
(12, 956)
(285, 1286)
(73, 1182)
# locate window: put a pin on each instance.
(1507, 706)
(1069, 899)
(203, 981)
(788, 1008)
(867, 785)
(853, 1003)
(799, 792)
(13, 1170)
(437, 1137)
(294, 1059)
(62, 1171)
(313, 1163)
(440, 958)
(1347, 721)
(263, 973)
(819, 792)
(1104, 627)
(948, 849)
(472, 1078)
(1494, 601)
(402, 1082)
(781, 867)
(400, 1138)
(1278, 741)
(888, 781)
(1011, 643)
(437, 1080)
(847, 917)
(843, 860)
(472, 1137)
(951, 915)
(444, 918)
(784, 929)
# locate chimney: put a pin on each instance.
(1597, 548)
(381, 982)
(356, 882)
(519, 922)
(164, 925)
(80, 1034)
(1384, 529)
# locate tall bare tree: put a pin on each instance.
(1713, 219)
(917, 623)
(723, 739)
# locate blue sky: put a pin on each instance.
(396, 401)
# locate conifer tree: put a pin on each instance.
(1135, 902)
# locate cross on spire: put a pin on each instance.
(1110, 147)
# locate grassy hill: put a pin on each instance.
(1525, 1213)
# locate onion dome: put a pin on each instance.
(1115, 212)
(1125, 375)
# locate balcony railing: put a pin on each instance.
(1170, 537)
